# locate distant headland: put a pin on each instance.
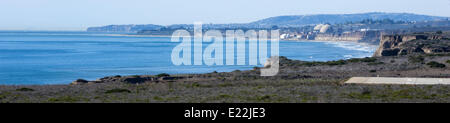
(364, 27)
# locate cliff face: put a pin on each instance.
(366, 37)
(343, 37)
(395, 45)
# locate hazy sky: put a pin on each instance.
(80, 14)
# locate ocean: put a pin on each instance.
(50, 57)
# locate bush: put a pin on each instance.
(309, 64)
(332, 63)
(366, 91)
(163, 75)
(65, 99)
(434, 64)
(448, 61)
(376, 63)
(340, 62)
(118, 90)
(439, 32)
(136, 76)
(367, 59)
(24, 89)
(416, 59)
(225, 96)
(158, 98)
(81, 80)
(373, 71)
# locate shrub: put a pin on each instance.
(66, 99)
(118, 90)
(416, 59)
(373, 71)
(448, 61)
(439, 32)
(195, 84)
(309, 64)
(332, 63)
(158, 98)
(354, 60)
(262, 98)
(24, 89)
(434, 64)
(81, 80)
(225, 96)
(163, 75)
(226, 84)
(367, 59)
(376, 63)
(366, 91)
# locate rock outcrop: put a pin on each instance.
(395, 45)
(79, 81)
(135, 79)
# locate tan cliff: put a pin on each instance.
(428, 43)
(366, 37)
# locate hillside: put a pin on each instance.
(300, 20)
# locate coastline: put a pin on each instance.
(137, 35)
(297, 82)
(303, 40)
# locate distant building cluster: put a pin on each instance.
(325, 32)
(308, 35)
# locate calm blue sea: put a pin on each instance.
(38, 57)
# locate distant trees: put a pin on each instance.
(434, 64)
(274, 27)
(371, 21)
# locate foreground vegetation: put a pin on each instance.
(255, 91)
(297, 82)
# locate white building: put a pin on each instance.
(322, 28)
(284, 36)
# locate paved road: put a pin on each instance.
(405, 81)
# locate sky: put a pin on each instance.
(80, 14)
